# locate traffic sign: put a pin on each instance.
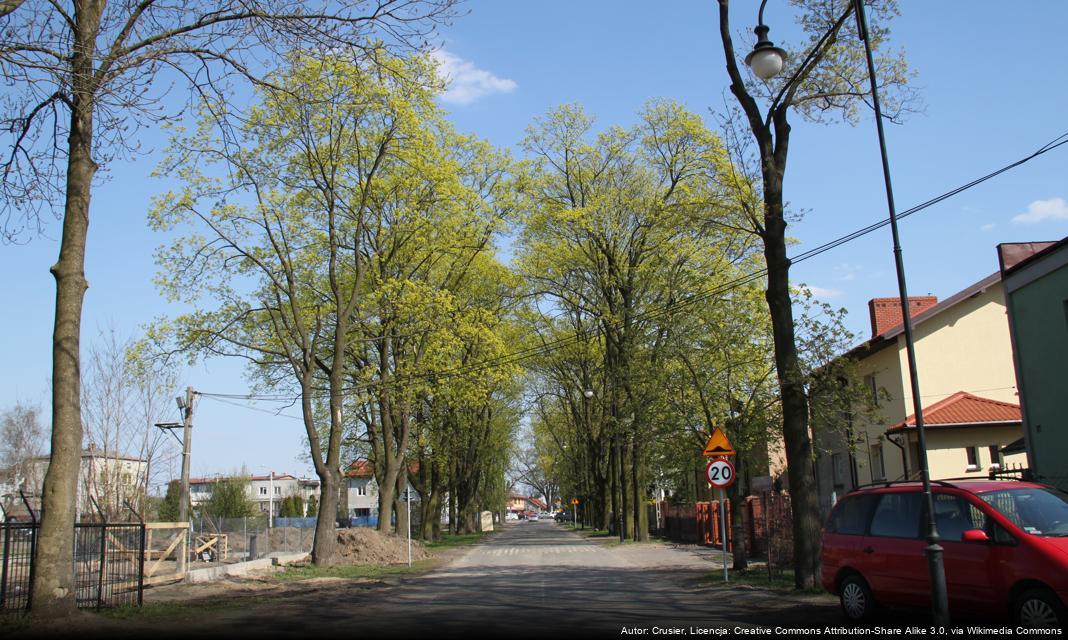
(720, 473)
(718, 445)
(574, 501)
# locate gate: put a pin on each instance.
(108, 564)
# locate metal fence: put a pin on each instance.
(108, 564)
(248, 538)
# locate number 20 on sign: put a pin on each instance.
(720, 473)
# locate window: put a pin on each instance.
(263, 491)
(873, 388)
(955, 515)
(851, 515)
(973, 457)
(278, 491)
(361, 490)
(878, 469)
(995, 455)
(838, 468)
(898, 515)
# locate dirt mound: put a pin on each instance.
(368, 546)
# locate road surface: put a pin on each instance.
(534, 579)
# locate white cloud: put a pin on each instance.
(987, 227)
(1043, 210)
(819, 292)
(847, 272)
(466, 82)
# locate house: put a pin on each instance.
(518, 503)
(107, 480)
(363, 489)
(266, 491)
(1036, 293)
(971, 411)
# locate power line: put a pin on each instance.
(656, 312)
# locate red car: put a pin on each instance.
(1005, 549)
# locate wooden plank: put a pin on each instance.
(179, 537)
(166, 525)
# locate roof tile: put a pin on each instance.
(963, 408)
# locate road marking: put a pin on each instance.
(521, 550)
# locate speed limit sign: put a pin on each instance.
(720, 473)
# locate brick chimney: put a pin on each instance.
(886, 312)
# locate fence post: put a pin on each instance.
(140, 556)
(3, 573)
(33, 547)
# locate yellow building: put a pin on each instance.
(971, 409)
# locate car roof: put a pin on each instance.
(971, 485)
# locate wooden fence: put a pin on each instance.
(767, 520)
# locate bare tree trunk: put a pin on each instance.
(398, 503)
(641, 513)
(806, 525)
(736, 494)
(325, 542)
(52, 592)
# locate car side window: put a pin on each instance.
(999, 535)
(954, 515)
(850, 516)
(897, 515)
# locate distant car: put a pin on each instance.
(533, 517)
(1005, 549)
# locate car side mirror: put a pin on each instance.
(975, 535)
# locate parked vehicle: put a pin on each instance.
(1005, 549)
(533, 517)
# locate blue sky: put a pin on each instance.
(992, 82)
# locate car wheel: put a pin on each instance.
(1039, 609)
(856, 599)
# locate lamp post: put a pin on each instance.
(588, 395)
(766, 60)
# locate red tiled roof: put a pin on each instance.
(963, 408)
(360, 469)
(366, 469)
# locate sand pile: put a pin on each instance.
(361, 545)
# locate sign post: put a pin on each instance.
(574, 512)
(720, 474)
(408, 505)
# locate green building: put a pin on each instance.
(1035, 276)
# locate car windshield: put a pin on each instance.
(1040, 512)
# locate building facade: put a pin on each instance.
(1036, 289)
(265, 491)
(363, 489)
(964, 363)
(107, 481)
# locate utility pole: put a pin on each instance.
(186, 405)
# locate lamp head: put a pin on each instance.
(588, 393)
(766, 60)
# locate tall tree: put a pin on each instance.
(123, 397)
(83, 77)
(824, 79)
(330, 140)
(617, 221)
(22, 438)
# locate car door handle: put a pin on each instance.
(869, 549)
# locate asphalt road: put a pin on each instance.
(530, 580)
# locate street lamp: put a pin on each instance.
(760, 56)
(766, 60)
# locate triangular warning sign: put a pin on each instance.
(718, 445)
